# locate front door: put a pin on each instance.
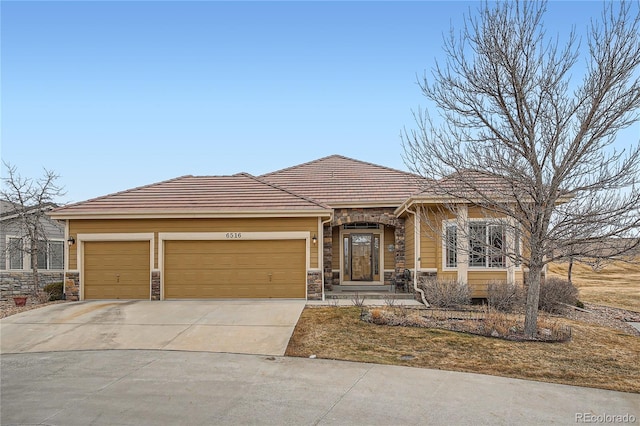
(361, 257)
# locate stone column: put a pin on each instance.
(327, 247)
(462, 223)
(72, 285)
(155, 285)
(399, 236)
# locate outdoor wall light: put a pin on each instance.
(314, 239)
(71, 241)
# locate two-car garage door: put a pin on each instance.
(197, 269)
(234, 269)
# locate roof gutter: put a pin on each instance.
(191, 215)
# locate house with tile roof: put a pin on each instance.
(16, 260)
(301, 232)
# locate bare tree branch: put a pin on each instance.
(29, 201)
(510, 111)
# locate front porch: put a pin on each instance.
(364, 251)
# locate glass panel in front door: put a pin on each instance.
(361, 257)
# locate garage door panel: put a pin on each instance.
(235, 269)
(116, 269)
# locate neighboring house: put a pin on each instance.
(16, 275)
(292, 233)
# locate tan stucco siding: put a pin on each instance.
(430, 251)
(448, 275)
(389, 256)
(409, 242)
(480, 213)
(519, 276)
(478, 281)
(107, 226)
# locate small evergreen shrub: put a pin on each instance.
(54, 290)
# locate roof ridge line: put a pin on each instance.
(408, 174)
(302, 164)
(137, 188)
(273, 185)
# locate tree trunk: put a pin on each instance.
(34, 267)
(533, 297)
(570, 269)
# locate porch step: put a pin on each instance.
(367, 295)
(366, 292)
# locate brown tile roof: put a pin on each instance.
(240, 193)
(338, 180)
(468, 184)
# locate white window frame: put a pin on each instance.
(488, 222)
(8, 253)
(450, 262)
(47, 242)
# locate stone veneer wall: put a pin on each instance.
(327, 247)
(20, 282)
(383, 215)
(72, 286)
(155, 285)
(314, 285)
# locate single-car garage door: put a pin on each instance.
(116, 269)
(235, 269)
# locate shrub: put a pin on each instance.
(446, 293)
(357, 300)
(54, 290)
(505, 297)
(554, 292)
(42, 297)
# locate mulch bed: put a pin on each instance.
(487, 323)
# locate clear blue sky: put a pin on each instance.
(114, 95)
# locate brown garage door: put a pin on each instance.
(116, 270)
(234, 269)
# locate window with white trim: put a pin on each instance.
(51, 255)
(16, 253)
(486, 245)
(452, 246)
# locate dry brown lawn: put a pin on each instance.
(617, 284)
(595, 357)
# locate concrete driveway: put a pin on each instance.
(261, 327)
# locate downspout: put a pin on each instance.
(416, 236)
(321, 248)
(65, 267)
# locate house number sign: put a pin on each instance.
(233, 235)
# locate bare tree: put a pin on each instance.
(30, 200)
(521, 135)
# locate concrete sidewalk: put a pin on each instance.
(170, 388)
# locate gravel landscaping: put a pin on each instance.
(7, 307)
